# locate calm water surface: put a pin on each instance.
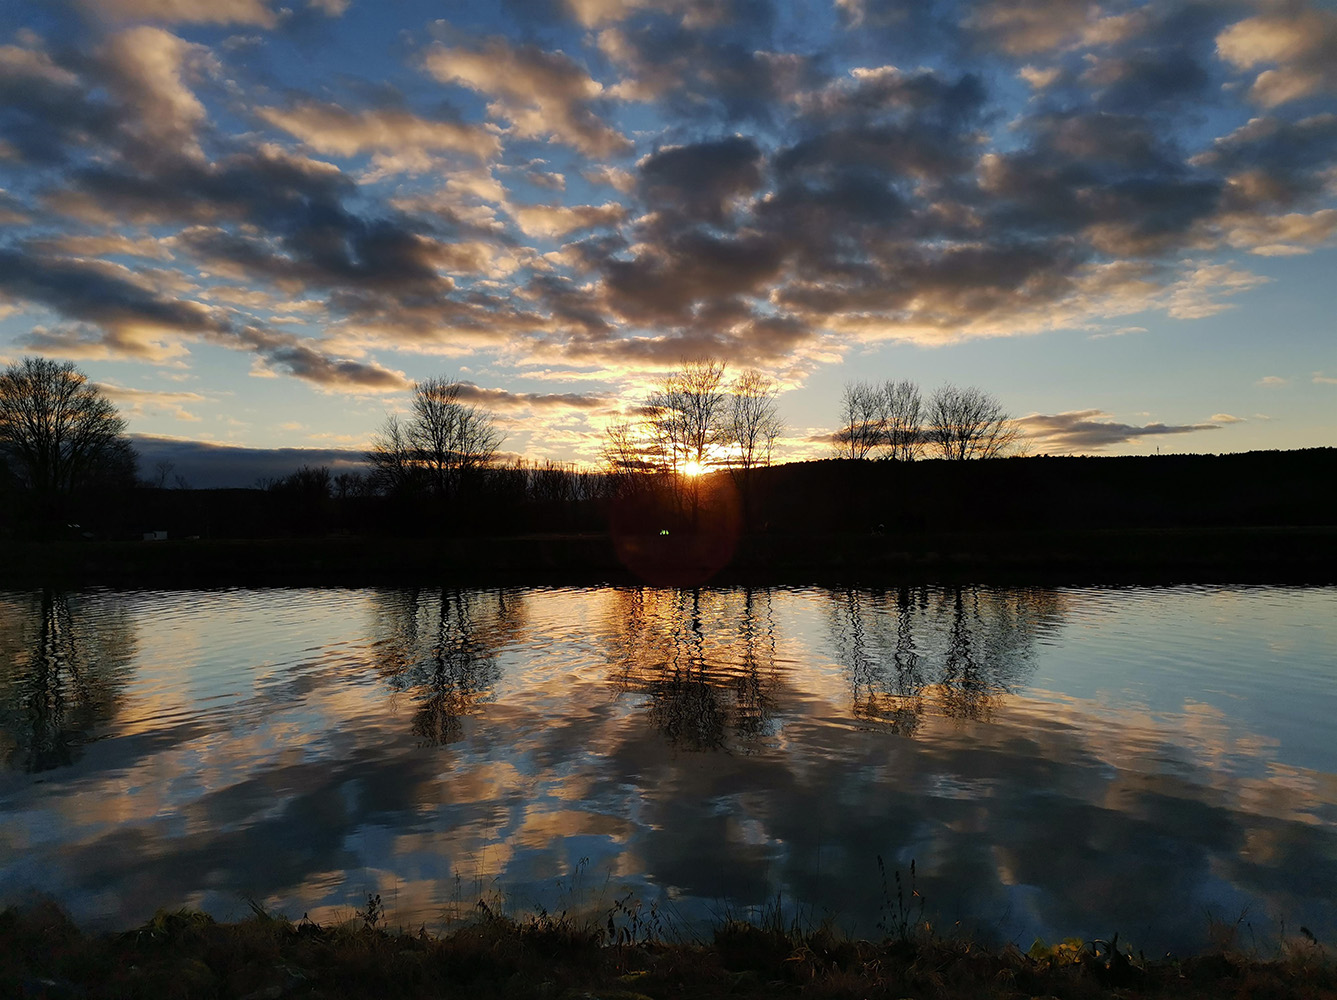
(1054, 762)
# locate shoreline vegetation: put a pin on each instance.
(186, 955)
(1240, 555)
(1258, 517)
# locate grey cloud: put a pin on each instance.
(1274, 161)
(504, 399)
(688, 267)
(121, 309)
(716, 66)
(1091, 170)
(48, 115)
(217, 466)
(99, 293)
(699, 180)
(1091, 430)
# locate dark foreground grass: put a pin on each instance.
(187, 955)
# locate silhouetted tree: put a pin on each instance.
(860, 427)
(900, 416)
(626, 453)
(969, 423)
(58, 433)
(881, 420)
(437, 446)
(754, 425)
(689, 413)
(754, 422)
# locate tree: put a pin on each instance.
(688, 415)
(754, 424)
(969, 423)
(901, 417)
(59, 434)
(438, 446)
(753, 421)
(860, 420)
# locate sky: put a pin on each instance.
(256, 225)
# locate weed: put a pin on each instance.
(630, 923)
(899, 917)
(373, 914)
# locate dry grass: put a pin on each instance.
(185, 955)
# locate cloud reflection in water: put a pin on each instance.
(698, 747)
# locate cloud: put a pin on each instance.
(1300, 43)
(707, 68)
(700, 180)
(1271, 380)
(1196, 295)
(99, 244)
(123, 316)
(204, 465)
(147, 72)
(542, 94)
(1093, 430)
(330, 128)
(1226, 418)
(257, 12)
(1027, 28)
(1279, 235)
(145, 402)
(1321, 379)
(506, 401)
(558, 220)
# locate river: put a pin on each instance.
(1161, 762)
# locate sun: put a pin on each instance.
(692, 468)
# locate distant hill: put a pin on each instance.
(1260, 488)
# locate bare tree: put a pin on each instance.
(58, 432)
(860, 420)
(900, 417)
(435, 448)
(969, 423)
(688, 413)
(623, 452)
(754, 422)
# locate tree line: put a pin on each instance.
(892, 420)
(61, 438)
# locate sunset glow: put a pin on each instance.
(257, 224)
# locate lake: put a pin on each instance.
(1154, 761)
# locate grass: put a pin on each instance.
(186, 955)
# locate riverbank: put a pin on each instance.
(187, 955)
(1057, 557)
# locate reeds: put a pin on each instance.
(633, 954)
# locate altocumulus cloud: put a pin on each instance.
(631, 184)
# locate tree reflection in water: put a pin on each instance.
(441, 648)
(704, 658)
(937, 651)
(62, 672)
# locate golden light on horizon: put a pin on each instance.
(692, 468)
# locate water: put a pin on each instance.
(1053, 762)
